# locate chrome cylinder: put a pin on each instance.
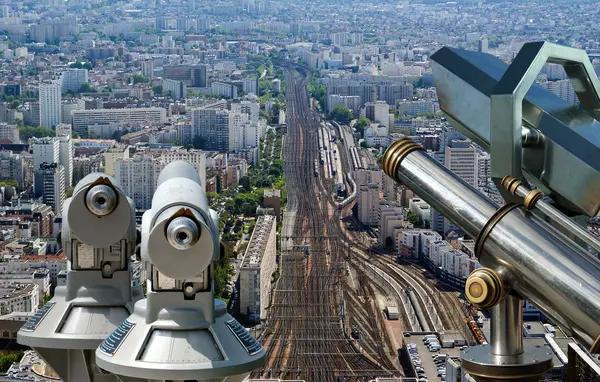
(182, 233)
(553, 275)
(564, 221)
(507, 327)
(101, 200)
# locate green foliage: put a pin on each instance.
(364, 145)
(361, 125)
(158, 89)
(318, 92)
(6, 360)
(81, 65)
(414, 219)
(139, 79)
(86, 88)
(47, 297)
(341, 114)
(26, 132)
(9, 183)
(15, 104)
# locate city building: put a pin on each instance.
(50, 103)
(257, 270)
(212, 126)
(177, 89)
(461, 158)
(45, 150)
(250, 86)
(148, 69)
(9, 133)
(191, 75)
(50, 184)
(134, 117)
(22, 298)
(72, 79)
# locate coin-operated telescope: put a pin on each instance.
(180, 332)
(99, 238)
(545, 158)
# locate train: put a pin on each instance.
(316, 168)
(477, 333)
(355, 157)
(352, 196)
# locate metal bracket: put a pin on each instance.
(506, 101)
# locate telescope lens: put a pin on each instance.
(182, 233)
(101, 200)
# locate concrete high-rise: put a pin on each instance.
(50, 103)
(50, 185)
(148, 69)
(45, 150)
(65, 148)
(461, 158)
(72, 79)
(212, 126)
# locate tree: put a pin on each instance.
(86, 88)
(6, 360)
(361, 124)
(15, 104)
(341, 114)
(364, 145)
(158, 89)
(139, 79)
(414, 219)
(9, 183)
(26, 132)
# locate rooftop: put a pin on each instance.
(258, 241)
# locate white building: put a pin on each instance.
(136, 177)
(148, 69)
(461, 158)
(50, 98)
(65, 144)
(421, 209)
(45, 150)
(72, 79)
(19, 298)
(379, 112)
(68, 107)
(178, 89)
(135, 117)
(252, 109)
(39, 277)
(250, 86)
(9, 133)
(257, 269)
(351, 102)
(49, 183)
(368, 203)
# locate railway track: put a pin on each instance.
(304, 335)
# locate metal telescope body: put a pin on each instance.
(98, 296)
(539, 146)
(98, 328)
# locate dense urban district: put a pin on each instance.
(284, 108)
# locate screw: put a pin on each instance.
(189, 289)
(106, 267)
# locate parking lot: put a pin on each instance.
(427, 362)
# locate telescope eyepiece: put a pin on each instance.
(101, 200)
(183, 233)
